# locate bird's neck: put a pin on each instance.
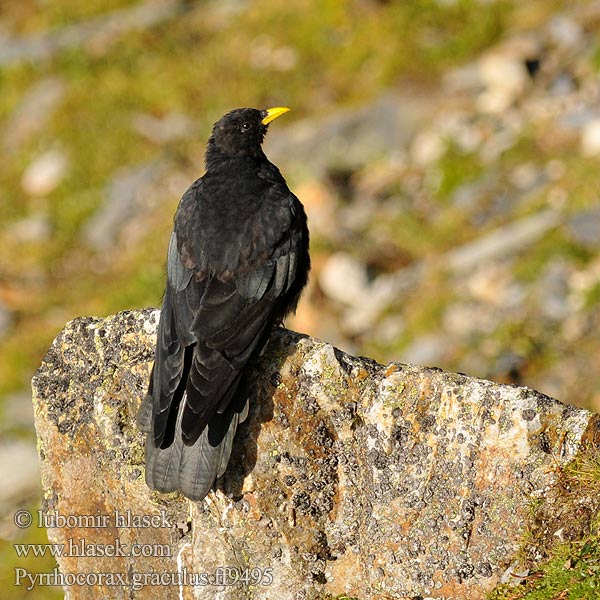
(217, 160)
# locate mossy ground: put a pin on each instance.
(571, 570)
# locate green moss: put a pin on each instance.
(572, 574)
(456, 168)
(571, 570)
(596, 57)
(592, 296)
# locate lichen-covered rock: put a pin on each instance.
(349, 477)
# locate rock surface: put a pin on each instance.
(349, 477)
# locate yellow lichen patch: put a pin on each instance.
(391, 368)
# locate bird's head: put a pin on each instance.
(241, 131)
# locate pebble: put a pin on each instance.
(265, 54)
(493, 284)
(505, 78)
(579, 117)
(390, 329)
(464, 79)
(565, 31)
(427, 148)
(584, 229)
(468, 196)
(515, 574)
(552, 291)
(344, 279)
(45, 173)
(6, 319)
(526, 176)
(563, 85)
(462, 320)
(590, 138)
(503, 71)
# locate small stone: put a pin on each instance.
(525, 176)
(463, 79)
(492, 284)
(427, 148)
(45, 173)
(344, 279)
(264, 54)
(565, 31)
(584, 229)
(464, 319)
(284, 58)
(504, 73)
(390, 329)
(6, 319)
(563, 85)
(505, 78)
(590, 138)
(553, 290)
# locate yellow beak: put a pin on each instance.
(273, 113)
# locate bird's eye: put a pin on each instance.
(246, 126)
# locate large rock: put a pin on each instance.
(349, 477)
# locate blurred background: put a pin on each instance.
(447, 153)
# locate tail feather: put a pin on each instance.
(190, 469)
(162, 464)
(227, 443)
(228, 439)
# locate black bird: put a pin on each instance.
(236, 266)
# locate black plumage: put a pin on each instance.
(237, 263)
